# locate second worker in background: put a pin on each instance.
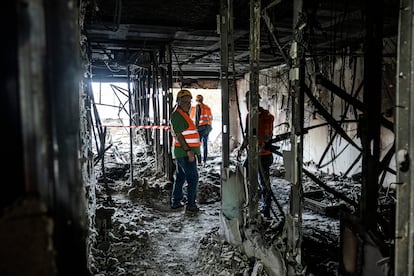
(203, 120)
(265, 129)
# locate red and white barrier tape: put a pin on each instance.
(138, 127)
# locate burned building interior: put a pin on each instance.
(337, 75)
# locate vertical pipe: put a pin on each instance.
(164, 110)
(147, 104)
(224, 79)
(10, 113)
(296, 77)
(131, 129)
(404, 228)
(253, 149)
(31, 52)
(170, 107)
(156, 103)
(370, 120)
(64, 74)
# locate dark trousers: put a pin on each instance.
(185, 171)
(264, 180)
(204, 131)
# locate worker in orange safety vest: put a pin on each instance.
(186, 146)
(203, 119)
(265, 133)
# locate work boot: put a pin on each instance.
(192, 209)
(177, 206)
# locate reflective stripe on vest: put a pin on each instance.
(206, 117)
(191, 136)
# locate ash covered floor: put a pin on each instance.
(136, 232)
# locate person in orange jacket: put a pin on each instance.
(265, 133)
(203, 120)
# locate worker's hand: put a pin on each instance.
(191, 156)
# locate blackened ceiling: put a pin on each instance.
(129, 32)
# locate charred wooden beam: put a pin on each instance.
(329, 210)
(320, 79)
(280, 137)
(320, 183)
(342, 121)
(328, 117)
(329, 189)
(353, 164)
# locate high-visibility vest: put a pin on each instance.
(206, 118)
(265, 129)
(193, 112)
(191, 136)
